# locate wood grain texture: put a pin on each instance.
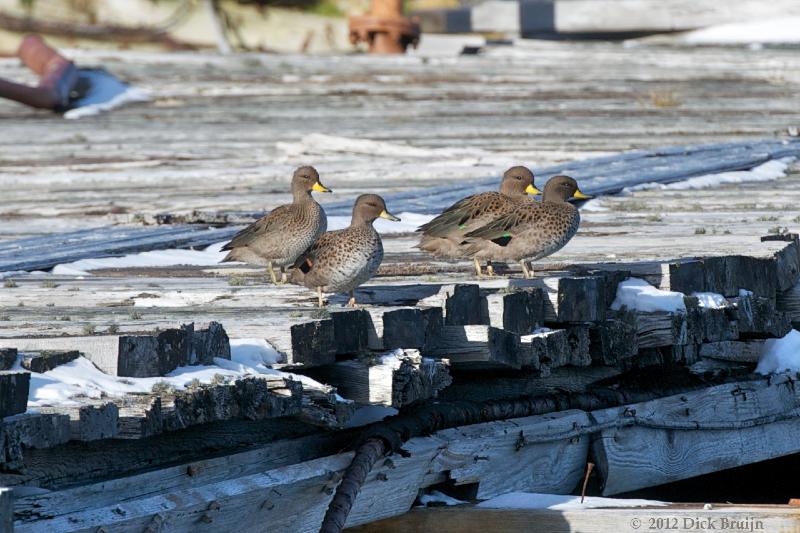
(692, 434)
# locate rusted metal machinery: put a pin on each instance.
(385, 28)
(57, 76)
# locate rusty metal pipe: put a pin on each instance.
(57, 76)
(384, 28)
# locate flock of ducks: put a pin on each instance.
(491, 226)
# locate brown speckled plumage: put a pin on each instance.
(444, 235)
(531, 231)
(342, 260)
(287, 231)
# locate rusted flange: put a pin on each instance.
(385, 28)
(57, 76)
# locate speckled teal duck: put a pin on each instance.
(278, 238)
(444, 235)
(531, 231)
(342, 260)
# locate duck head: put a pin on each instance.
(518, 181)
(561, 189)
(368, 207)
(306, 179)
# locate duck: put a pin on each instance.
(281, 236)
(531, 231)
(341, 260)
(444, 235)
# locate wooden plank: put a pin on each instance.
(686, 518)
(122, 355)
(47, 360)
(6, 511)
(477, 347)
(194, 474)
(695, 433)
(89, 422)
(13, 392)
(8, 356)
(545, 453)
(223, 489)
(313, 343)
(526, 383)
(292, 498)
(464, 306)
(351, 331)
(758, 318)
(393, 380)
(787, 260)
(545, 350)
(789, 302)
(406, 327)
(746, 352)
(31, 430)
(519, 311)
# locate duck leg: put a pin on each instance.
(527, 272)
(284, 277)
(271, 273)
(319, 296)
(352, 301)
(478, 267)
(490, 269)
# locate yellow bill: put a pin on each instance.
(388, 216)
(320, 188)
(530, 189)
(579, 195)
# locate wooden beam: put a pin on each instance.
(393, 380)
(90, 422)
(6, 511)
(744, 352)
(13, 392)
(478, 347)
(122, 355)
(464, 306)
(686, 518)
(47, 360)
(351, 331)
(517, 455)
(519, 311)
(683, 436)
(8, 356)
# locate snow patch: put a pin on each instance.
(533, 500)
(254, 352)
(131, 95)
(436, 497)
(780, 355)
(711, 300)
(782, 30)
(65, 384)
(637, 294)
(212, 255)
(769, 171)
(409, 222)
(317, 143)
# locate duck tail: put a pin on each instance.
(232, 256)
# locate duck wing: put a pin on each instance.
(275, 220)
(502, 230)
(465, 214)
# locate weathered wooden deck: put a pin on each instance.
(222, 137)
